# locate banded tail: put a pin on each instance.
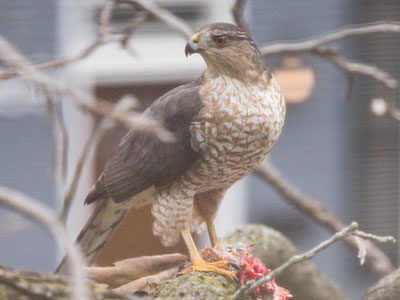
(103, 222)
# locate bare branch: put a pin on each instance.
(251, 285)
(60, 141)
(58, 63)
(376, 260)
(139, 20)
(85, 101)
(163, 15)
(104, 38)
(370, 236)
(237, 13)
(373, 72)
(316, 45)
(388, 83)
(73, 185)
(274, 249)
(96, 136)
(37, 212)
(387, 288)
(22, 284)
(394, 113)
(105, 20)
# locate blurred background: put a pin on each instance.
(334, 150)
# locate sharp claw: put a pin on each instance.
(233, 265)
(220, 267)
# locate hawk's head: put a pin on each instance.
(227, 50)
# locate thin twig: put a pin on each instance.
(316, 44)
(105, 20)
(373, 72)
(376, 260)
(251, 285)
(60, 141)
(58, 63)
(73, 185)
(163, 15)
(85, 101)
(388, 82)
(135, 24)
(102, 39)
(370, 236)
(362, 251)
(342, 234)
(39, 213)
(96, 136)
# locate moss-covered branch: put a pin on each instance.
(387, 288)
(196, 286)
(303, 280)
(24, 285)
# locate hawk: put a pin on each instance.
(224, 123)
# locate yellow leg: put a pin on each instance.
(199, 264)
(188, 239)
(213, 236)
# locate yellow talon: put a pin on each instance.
(199, 264)
(220, 267)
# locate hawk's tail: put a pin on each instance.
(98, 229)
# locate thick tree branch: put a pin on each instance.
(387, 288)
(25, 285)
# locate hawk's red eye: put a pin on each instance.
(220, 40)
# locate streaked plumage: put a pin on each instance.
(225, 123)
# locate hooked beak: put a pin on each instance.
(191, 46)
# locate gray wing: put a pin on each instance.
(141, 160)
